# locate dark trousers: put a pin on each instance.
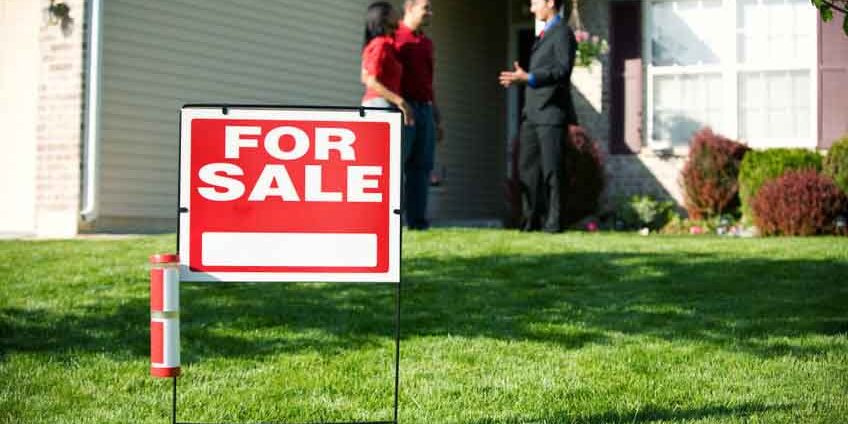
(540, 171)
(418, 157)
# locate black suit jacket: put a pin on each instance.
(551, 62)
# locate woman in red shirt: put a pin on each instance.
(381, 69)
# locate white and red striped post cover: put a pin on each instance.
(164, 316)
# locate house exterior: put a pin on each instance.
(765, 72)
(91, 107)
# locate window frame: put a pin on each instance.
(730, 68)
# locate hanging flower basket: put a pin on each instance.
(589, 47)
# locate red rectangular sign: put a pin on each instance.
(289, 195)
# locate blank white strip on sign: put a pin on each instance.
(290, 249)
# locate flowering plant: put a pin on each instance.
(589, 47)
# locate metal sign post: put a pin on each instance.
(395, 403)
(291, 194)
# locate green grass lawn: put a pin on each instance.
(498, 328)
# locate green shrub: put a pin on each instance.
(836, 163)
(758, 167)
(644, 211)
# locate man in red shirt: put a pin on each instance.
(415, 51)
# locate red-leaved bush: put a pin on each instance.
(710, 177)
(800, 203)
(583, 182)
(584, 176)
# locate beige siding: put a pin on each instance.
(158, 55)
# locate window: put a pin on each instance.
(774, 105)
(743, 67)
(774, 31)
(685, 32)
(683, 103)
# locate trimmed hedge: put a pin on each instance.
(800, 203)
(710, 177)
(836, 163)
(758, 167)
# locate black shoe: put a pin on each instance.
(529, 226)
(419, 227)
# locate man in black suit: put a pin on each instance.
(548, 112)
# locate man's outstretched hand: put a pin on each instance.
(516, 76)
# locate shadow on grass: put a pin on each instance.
(566, 300)
(644, 415)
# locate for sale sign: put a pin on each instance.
(272, 194)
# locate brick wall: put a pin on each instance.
(646, 174)
(59, 131)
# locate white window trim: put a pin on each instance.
(731, 69)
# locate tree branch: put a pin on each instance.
(843, 8)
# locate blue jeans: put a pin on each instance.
(419, 142)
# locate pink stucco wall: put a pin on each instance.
(833, 82)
